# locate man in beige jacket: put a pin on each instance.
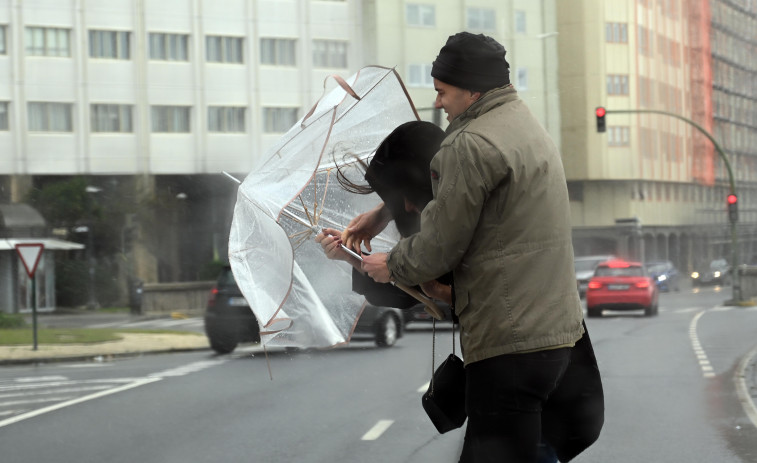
(500, 221)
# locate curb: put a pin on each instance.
(95, 357)
(740, 379)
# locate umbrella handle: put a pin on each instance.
(430, 305)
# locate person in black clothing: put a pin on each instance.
(400, 174)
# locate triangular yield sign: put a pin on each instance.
(30, 254)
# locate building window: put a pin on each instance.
(618, 136)
(278, 120)
(3, 115)
(419, 75)
(645, 41)
(3, 49)
(170, 119)
(520, 22)
(169, 47)
(278, 52)
(482, 19)
(110, 44)
(226, 119)
(223, 49)
(111, 118)
(51, 117)
(522, 79)
(420, 15)
(617, 84)
(47, 41)
(329, 54)
(616, 32)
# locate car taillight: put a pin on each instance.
(595, 285)
(642, 284)
(212, 298)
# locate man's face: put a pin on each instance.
(454, 100)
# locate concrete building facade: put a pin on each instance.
(654, 171)
(152, 100)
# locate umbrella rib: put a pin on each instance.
(307, 213)
(323, 199)
(299, 233)
(295, 218)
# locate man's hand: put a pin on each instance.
(365, 226)
(375, 266)
(438, 291)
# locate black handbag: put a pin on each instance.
(444, 401)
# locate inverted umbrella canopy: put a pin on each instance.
(300, 297)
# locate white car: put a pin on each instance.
(585, 266)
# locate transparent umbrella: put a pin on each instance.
(300, 297)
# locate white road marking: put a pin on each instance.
(22, 386)
(36, 401)
(377, 430)
(88, 365)
(704, 362)
(189, 368)
(58, 406)
(56, 391)
(17, 387)
(34, 379)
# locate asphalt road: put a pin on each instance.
(669, 385)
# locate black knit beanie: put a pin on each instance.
(472, 62)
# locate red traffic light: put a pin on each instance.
(600, 111)
(732, 199)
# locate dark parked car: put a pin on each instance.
(228, 318)
(418, 313)
(230, 321)
(665, 275)
(716, 272)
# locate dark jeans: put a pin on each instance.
(573, 415)
(504, 400)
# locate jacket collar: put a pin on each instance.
(488, 101)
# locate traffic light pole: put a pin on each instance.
(736, 281)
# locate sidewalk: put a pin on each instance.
(130, 343)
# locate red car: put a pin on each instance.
(621, 285)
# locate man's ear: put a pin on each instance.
(474, 95)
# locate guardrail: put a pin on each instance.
(165, 298)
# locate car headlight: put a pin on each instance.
(716, 274)
(662, 278)
(695, 275)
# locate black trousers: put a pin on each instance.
(514, 401)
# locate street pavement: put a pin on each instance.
(188, 334)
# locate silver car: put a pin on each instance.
(585, 266)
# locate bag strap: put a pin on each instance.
(433, 349)
(433, 346)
